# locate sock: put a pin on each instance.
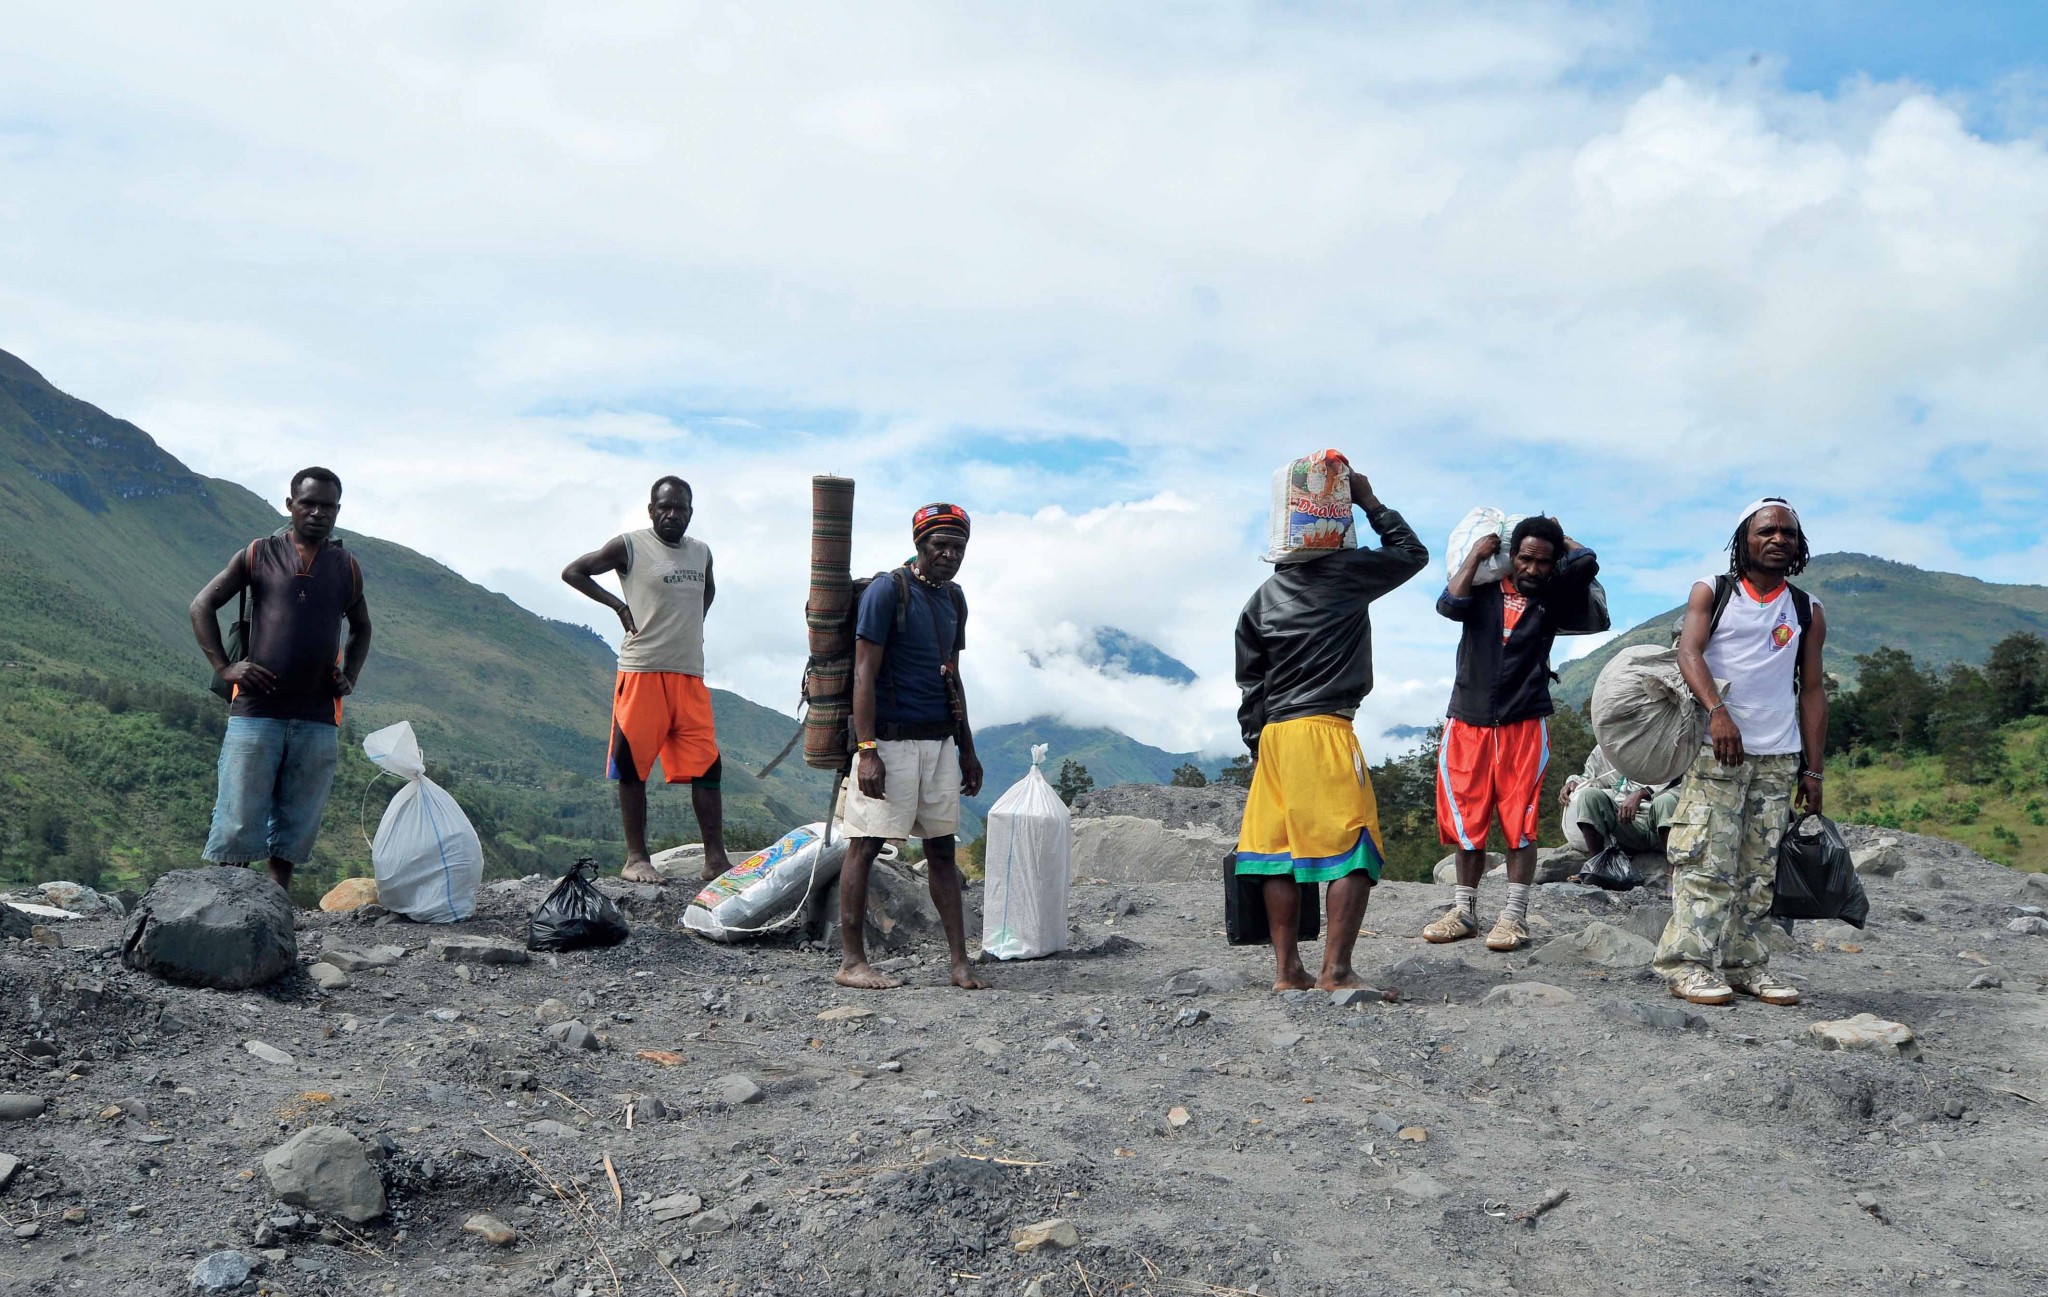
(1467, 901)
(1517, 907)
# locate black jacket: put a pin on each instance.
(1304, 641)
(1498, 682)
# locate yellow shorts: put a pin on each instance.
(1311, 813)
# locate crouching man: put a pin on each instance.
(1605, 808)
(1304, 663)
(913, 747)
(1761, 759)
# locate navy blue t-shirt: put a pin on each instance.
(908, 689)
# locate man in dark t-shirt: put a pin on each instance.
(914, 750)
(282, 747)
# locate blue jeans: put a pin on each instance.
(274, 780)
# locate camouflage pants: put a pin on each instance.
(1602, 809)
(1724, 861)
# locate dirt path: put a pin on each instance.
(894, 1153)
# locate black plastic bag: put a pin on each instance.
(576, 916)
(1245, 922)
(1611, 868)
(1816, 876)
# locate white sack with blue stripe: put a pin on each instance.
(1029, 850)
(426, 855)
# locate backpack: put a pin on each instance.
(1802, 608)
(826, 705)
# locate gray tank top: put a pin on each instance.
(664, 586)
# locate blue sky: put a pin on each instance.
(1091, 271)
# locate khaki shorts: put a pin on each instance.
(922, 796)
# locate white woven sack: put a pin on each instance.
(1644, 718)
(1024, 908)
(426, 853)
(1483, 521)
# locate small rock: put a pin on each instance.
(491, 1230)
(1385, 1123)
(349, 894)
(1880, 861)
(327, 977)
(845, 1013)
(1351, 995)
(9, 1164)
(551, 1011)
(1418, 1186)
(574, 1035)
(1953, 1109)
(1529, 995)
(1666, 1017)
(677, 1206)
(30, 1230)
(2033, 886)
(1287, 1039)
(79, 1215)
(1870, 1204)
(325, 1168)
(1932, 879)
(1866, 1032)
(1190, 1017)
(269, 1053)
(1412, 1135)
(715, 1221)
(738, 1089)
(1178, 1117)
(1597, 943)
(221, 1272)
(989, 1045)
(2031, 924)
(1988, 980)
(1206, 981)
(1058, 1232)
(20, 1107)
(552, 1128)
(478, 950)
(515, 1079)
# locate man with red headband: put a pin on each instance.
(914, 749)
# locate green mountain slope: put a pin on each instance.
(104, 538)
(1938, 617)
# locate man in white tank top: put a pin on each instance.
(1760, 760)
(661, 707)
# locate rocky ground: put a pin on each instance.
(1543, 1122)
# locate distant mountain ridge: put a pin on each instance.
(1938, 617)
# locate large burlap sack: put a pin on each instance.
(1483, 521)
(1311, 513)
(1644, 718)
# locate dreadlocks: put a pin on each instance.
(1738, 545)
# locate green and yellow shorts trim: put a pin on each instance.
(1311, 811)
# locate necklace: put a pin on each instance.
(924, 580)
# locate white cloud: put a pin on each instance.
(1089, 270)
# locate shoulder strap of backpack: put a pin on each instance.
(1802, 604)
(1724, 590)
(901, 577)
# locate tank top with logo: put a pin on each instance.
(1755, 649)
(664, 586)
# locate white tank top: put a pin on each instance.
(664, 586)
(1755, 649)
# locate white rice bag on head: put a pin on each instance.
(1483, 521)
(1311, 509)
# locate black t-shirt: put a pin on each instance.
(295, 620)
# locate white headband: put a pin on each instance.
(1768, 502)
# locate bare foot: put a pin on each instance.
(1292, 979)
(964, 978)
(1337, 980)
(861, 977)
(642, 871)
(713, 868)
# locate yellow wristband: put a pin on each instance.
(866, 745)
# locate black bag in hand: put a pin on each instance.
(576, 916)
(1816, 877)
(1611, 868)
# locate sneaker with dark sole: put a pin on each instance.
(1455, 925)
(1761, 985)
(1699, 986)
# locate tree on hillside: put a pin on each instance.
(1964, 726)
(1189, 775)
(1073, 780)
(1892, 699)
(2017, 675)
(1238, 771)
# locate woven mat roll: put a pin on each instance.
(828, 676)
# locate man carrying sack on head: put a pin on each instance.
(913, 747)
(1760, 760)
(1304, 663)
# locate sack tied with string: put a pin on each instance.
(426, 854)
(1024, 912)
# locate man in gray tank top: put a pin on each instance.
(661, 707)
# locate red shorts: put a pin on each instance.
(667, 715)
(1484, 770)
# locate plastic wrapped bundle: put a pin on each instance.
(1311, 513)
(1483, 521)
(1644, 718)
(1024, 914)
(426, 854)
(767, 891)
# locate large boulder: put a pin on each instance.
(1446, 871)
(901, 917)
(15, 924)
(1128, 849)
(324, 1169)
(222, 927)
(1216, 807)
(1597, 943)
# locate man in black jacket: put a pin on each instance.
(1304, 663)
(1496, 743)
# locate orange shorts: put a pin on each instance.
(1484, 770)
(667, 715)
